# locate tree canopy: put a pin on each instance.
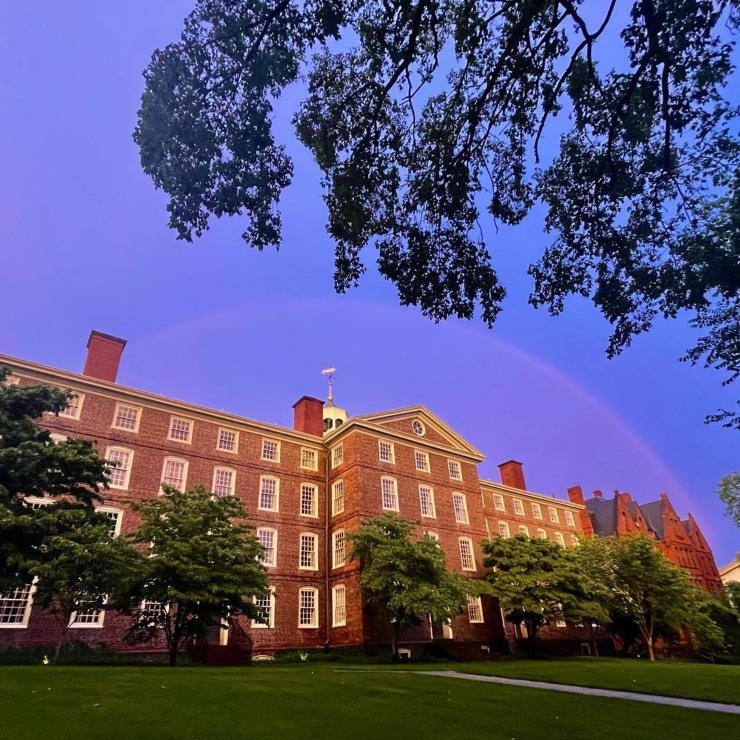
(406, 579)
(729, 494)
(423, 114)
(201, 567)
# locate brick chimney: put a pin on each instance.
(575, 494)
(103, 356)
(308, 416)
(512, 474)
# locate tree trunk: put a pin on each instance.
(396, 633)
(593, 639)
(63, 639)
(650, 648)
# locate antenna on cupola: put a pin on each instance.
(333, 416)
(329, 373)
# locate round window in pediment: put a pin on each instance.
(417, 427)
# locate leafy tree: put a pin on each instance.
(422, 113)
(536, 582)
(406, 579)
(201, 569)
(81, 567)
(729, 493)
(69, 473)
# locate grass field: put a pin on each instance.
(318, 701)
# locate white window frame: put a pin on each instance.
(518, 506)
(185, 465)
(222, 469)
(341, 621)
(420, 455)
(58, 438)
(277, 493)
(314, 611)
(541, 533)
(37, 502)
(335, 538)
(503, 530)
(127, 473)
(227, 430)
(183, 419)
(306, 453)
(463, 509)
(270, 624)
(391, 451)
(337, 455)
(430, 490)
(558, 536)
(137, 420)
(498, 502)
(10, 596)
(569, 519)
(314, 514)
(269, 563)
(270, 441)
(553, 514)
(433, 535)
(13, 380)
(393, 492)
(536, 510)
(337, 502)
(475, 610)
(466, 541)
(524, 529)
(76, 410)
(98, 624)
(314, 552)
(118, 520)
(454, 465)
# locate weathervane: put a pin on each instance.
(329, 372)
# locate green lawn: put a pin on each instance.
(316, 701)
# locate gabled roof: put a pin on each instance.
(453, 439)
(653, 513)
(603, 515)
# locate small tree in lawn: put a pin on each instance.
(203, 566)
(70, 474)
(534, 580)
(406, 579)
(81, 567)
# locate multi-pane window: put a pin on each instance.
(337, 497)
(309, 459)
(269, 493)
(389, 493)
(518, 507)
(309, 499)
(524, 529)
(559, 539)
(15, 607)
(503, 530)
(224, 481)
(115, 521)
(87, 618)
(74, 406)
(461, 508)
(271, 450)
(422, 461)
(152, 612)
(466, 554)
(386, 452)
(426, 499)
(118, 474)
(569, 519)
(268, 540)
(265, 603)
(227, 440)
(455, 471)
(180, 429)
(536, 511)
(337, 456)
(553, 514)
(498, 502)
(308, 552)
(126, 417)
(433, 535)
(174, 473)
(339, 549)
(475, 610)
(542, 534)
(308, 612)
(339, 606)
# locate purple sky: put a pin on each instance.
(85, 245)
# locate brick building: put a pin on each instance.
(681, 541)
(306, 488)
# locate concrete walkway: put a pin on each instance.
(570, 689)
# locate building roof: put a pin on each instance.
(653, 513)
(603, 515)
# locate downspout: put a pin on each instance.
(327, 605)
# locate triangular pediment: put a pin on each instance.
(435, 431)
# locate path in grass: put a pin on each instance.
(315, 701)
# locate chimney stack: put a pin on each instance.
(308, 416)
(598, 493)
(575, 494)
(103, 356)
(512, 474)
